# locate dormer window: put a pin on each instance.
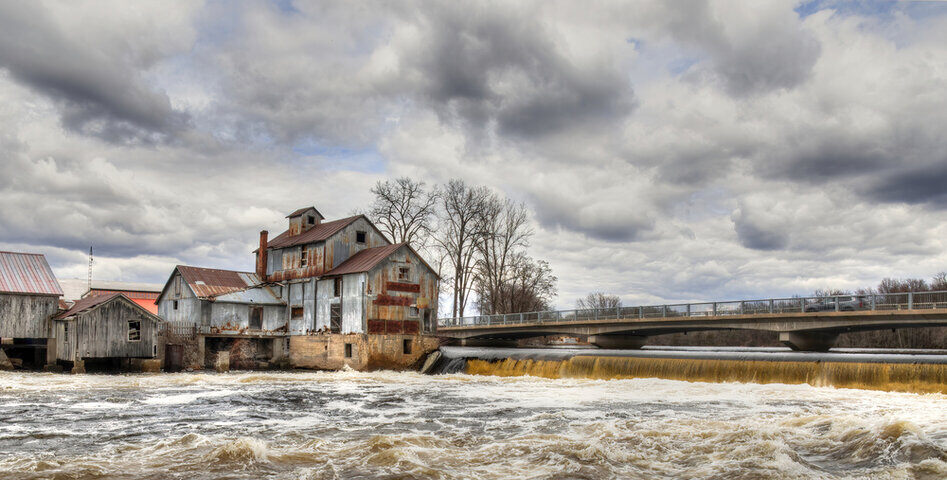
(311, 219)
(360, 237)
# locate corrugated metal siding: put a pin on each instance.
(26, 316)
(27, 273)
(391, 298)
(353, 299)
(323, 300)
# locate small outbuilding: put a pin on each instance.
(109, 326)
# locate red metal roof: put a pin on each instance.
(365, 260)
(86, 303)
(27, 273)
(302, 211)
(207, 282)
(317, 233)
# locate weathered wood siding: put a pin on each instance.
(236, 316)
(26, 316)
(391, 298)
(102, 332)
(189, 306)
(286, 263)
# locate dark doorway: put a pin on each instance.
(428, 326)
(173, 358)
(256, 318)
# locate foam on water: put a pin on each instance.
(405, 425)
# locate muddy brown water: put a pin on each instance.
(405, 425)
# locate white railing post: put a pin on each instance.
(688, 309)
(715, 309)
(771, 302)
(837, 306)
(664, 311)
(910, 300)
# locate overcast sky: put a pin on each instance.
(668, 150)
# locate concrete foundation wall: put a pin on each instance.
(369, 352)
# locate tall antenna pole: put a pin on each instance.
(90, 267)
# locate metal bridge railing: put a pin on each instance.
(814, 305)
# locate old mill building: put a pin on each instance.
(324, 294)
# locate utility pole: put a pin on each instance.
(90, 268)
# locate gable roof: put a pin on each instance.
(87, 303)
(304, 210)
(27, 273)
(364, 260)
(317, 233)
(209, 282)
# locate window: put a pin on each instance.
(335, 318)
(413, 311)
(404, 273)
(297, 312)
(304, 256)
(256, 318)
(406, 346)
(311, 219)
(348, 350)
(337, 287)
(134, 330)
(360, 237)
(175, 304)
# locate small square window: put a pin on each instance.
(413, 311)
(406, 346)
(348, 350)
(360, 237)
(404, 273)
(134, 331)
(311, 219)
(297, 312)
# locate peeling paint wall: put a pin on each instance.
(286, 264)
(391, 298)
(236, 316)
(26, 316)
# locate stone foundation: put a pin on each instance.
(360, 351)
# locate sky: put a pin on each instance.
(668, 151)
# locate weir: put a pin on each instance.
(887, 372)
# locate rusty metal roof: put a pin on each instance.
(302, 211)
(27, 273)
(89, 303)
(317, 233)
(365, 260)
(86, 303)
(208, 282)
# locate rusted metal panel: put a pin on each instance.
(317, 233)
(393, 326)
(389, 300)
(410, 327)
(27, 273)
(376, 326)
(403, 287)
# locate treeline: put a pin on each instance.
(892, 285)
(476, 239)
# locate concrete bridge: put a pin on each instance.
(806, 323)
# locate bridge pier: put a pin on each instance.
(808, 341)
(620, 342)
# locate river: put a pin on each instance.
(405, 425)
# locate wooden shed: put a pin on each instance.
(29, 295)
(105, 326)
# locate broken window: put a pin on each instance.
(406, 346)
(335, 318)
(311, 219)
(404, 273)
(337, 287)
(256, 318)
(360, 237)
(304, 256)
(134, 330)
(413, 311)
(297, 313)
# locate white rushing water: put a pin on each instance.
(405, 425)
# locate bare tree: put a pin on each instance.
(598, 300)
(404, 210)
(939, 282)
(506, 233)
(530, 288)
(461, 232)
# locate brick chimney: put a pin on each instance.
(261, 256)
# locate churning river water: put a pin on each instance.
(405, 425)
